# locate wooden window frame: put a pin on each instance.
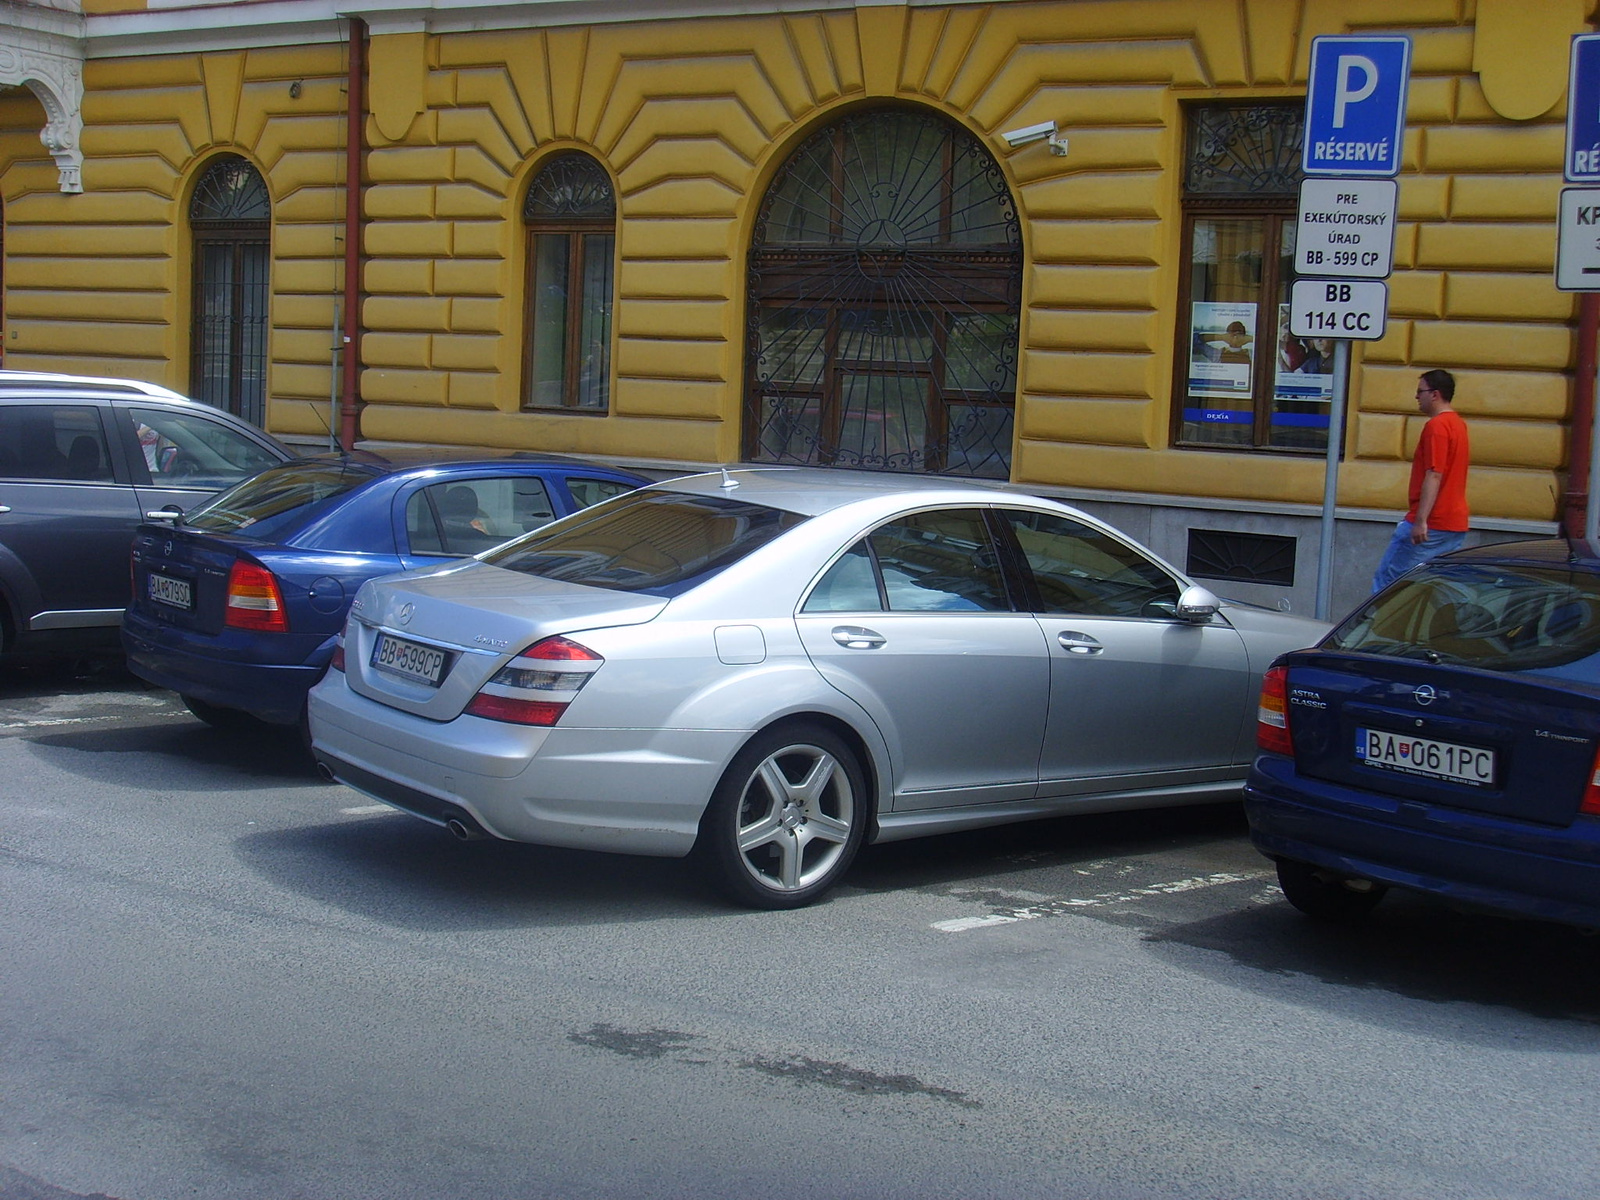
(576, 234)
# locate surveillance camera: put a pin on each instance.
(1045, 131)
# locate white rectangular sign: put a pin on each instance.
(1578, 241)
(1345, 228)
(1338, 308)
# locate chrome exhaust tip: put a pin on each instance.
(463, 832)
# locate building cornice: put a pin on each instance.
(185, 28)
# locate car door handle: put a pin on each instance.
(1074, 642)
(856, 637)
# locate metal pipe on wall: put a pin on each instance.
(355, 158)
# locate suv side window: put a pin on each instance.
(188, 450)
(53, 441)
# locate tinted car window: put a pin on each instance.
(265, 506)
(647, 541)
(850, 585)
(50, 441)
(1493, 616)
(190, 450)
(466, 516)
(586, 491)
(940, 561)
(1078, 569)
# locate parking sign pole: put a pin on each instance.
(1354, 142)
(1330, 483)
(1591, 507)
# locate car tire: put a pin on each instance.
(787, 818)
(1326, 895)
(216, 716)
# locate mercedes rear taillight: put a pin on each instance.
(254, 601)
(535, 687)
(1272, 715)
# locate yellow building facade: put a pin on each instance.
(692, 114)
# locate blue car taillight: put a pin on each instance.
(535, 687)
(1272, 715)
(1591, 793)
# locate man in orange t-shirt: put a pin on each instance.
(1436, 522)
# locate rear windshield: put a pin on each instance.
(646, 541)
(1539, 620)
(282, 498)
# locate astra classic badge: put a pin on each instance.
(405, 614)
(1425, 695)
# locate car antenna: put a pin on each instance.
(728, 481)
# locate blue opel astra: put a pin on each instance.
(1445, 739)
(237, 605)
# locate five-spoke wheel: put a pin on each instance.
(787, 817)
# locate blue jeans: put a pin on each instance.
(1403, 553)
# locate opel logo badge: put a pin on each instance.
(406, 611)
(1425, 695)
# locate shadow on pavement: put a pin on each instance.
(401, 871)
(263, 756)
(1030, 846)
(1409, 947)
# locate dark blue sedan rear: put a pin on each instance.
(1443, 739)
(238, 606)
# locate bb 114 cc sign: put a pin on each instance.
(1339, 308)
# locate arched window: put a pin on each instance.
(885, 284)
(571, 215)
(231, 219)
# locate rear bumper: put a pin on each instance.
(205, 668)
(627, 791)
(1472, 859)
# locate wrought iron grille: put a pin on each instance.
(1245, 150)
(231, 219)
(885, 283)
(230, 190)
(570, 186)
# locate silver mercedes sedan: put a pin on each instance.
(766, 668)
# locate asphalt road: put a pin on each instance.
(220, 977)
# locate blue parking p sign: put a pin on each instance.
(1583, 110)
(1356, 105)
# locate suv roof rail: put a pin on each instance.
(51, 381)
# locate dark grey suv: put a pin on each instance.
(82, 461)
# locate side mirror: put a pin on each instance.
(1197, 605)
(169, 512)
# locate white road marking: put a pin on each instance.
(366, 810)
(1055, 908)
(46, 722)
